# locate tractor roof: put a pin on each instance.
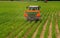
(33, 6)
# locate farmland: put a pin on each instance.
(14, 25)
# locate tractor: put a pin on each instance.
(32, 13)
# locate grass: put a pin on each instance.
(12, 19)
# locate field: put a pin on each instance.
(14, 25)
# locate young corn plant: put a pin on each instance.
(53, 26)
(41, 26)
(14, 33)
(47, 29)
(25, 30)
(33, 29)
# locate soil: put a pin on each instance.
(44, 28)
(57, 30)
(35, 33)
(25, 35)
(28, 31)
(50, 31)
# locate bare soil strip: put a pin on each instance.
(50, 30)
(18, 34)
(29, 30)
(44, 28)
(57, 30)
(35, 33)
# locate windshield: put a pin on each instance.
(33, 8)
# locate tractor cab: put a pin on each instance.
(32, 13)
(33, 7)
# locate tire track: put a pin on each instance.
(57, 30)
(27, 33)
(29, 30)
(44, 28)
(50, 27)
(50, 30)
(23, 30)
(35, 33)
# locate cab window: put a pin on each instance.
(33, 8)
